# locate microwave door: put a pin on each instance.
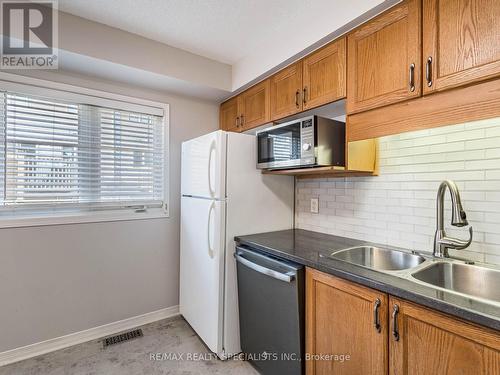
(279, 147)
(266, 148)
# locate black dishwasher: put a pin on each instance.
(271, 308)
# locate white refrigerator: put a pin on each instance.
(223, 195)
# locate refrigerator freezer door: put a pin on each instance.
(204, 166)
(202, 268)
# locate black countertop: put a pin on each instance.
(310, 248)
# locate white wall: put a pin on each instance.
(84, 37)
(398, 206)
(290, 38)
(55, 280)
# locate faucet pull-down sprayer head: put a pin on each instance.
(458, 219)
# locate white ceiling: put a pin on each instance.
(223, 30)
(246, 39)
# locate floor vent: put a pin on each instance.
(130, 335)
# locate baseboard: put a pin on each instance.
(62, 342)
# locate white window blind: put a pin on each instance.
(63, 155)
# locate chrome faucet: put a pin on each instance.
(458, 219)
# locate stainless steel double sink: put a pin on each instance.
(379, 258)
(469, 280)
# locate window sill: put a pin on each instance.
(80, 218)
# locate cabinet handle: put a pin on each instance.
(304, 95)
(242, 119)
(395, 329)
(237, 121)
(428, 71)
(412, 77)
(297, 93)
(376, 317)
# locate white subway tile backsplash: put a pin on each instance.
(493, 196)
(396, 143)
(493, 175)
(473, 195)
(490, 258)
(406, 194)
(388, 217)
(448, 147)
(484, 227)
(493, 132)
(477, 216)
(481, 124)
(466, 155)
(492, 238)
(484, 143)
(482, 164)
(344, 198)
(465, 135)
(412, 219)
(482, 185)
(398, 207)
(492, 217)
(492, 153)
(413, 135)
(430, 140)
(451, 175)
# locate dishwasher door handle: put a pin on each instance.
(266, 271)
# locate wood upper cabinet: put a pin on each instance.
(384, 59)
(340, 320)
(254, 105)
(433, 343)
(247, 110)
(318, 79)
(286, 91)
(229, 115)
(461, 42)
(324, 75)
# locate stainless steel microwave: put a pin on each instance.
(311, 141)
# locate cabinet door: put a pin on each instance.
(324, 79)
(340, 320)
(255, 105)
(461, 42)
(384, 59)
(433, 343)
(229, 115)
(286, 92)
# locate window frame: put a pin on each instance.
(35, 86)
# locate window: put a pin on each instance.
(69, 156)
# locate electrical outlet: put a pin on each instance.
(315, 205)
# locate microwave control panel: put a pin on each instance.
(307, 142)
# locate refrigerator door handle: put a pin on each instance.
(210, 152)
(210, 246)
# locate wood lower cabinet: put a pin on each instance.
(229, 115)
(324, 75)
(433, 343)
(461, 42)
(413, 340)
(340, 321)
(286, 92)
(254, 106)
(384, 59)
